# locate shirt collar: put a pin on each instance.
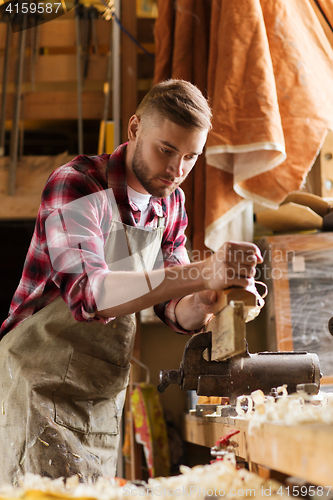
(157, 205)
(116, 174)
(116, 177)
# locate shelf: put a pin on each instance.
(303, 451)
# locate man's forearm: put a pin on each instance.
(174, 282)
(127, 292)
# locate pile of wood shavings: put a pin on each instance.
(33, 486)
(287, 409)
(218, 480)
(221, 479)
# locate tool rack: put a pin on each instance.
(49, 94)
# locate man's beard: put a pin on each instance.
(141, 170)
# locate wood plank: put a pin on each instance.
(326, 162)
(68, 86)
(224, 298)
(32, 174)
(290, 217)
(62, 105)
(58, 101)
(316, 203)
(304, 451)
(299, 243)
(59, 106)
(313, 179)
(62, 67)
(58, 68)
(228, 332)
(326, 380)
(204, 432)
(61, 33)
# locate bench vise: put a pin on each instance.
(239, 373)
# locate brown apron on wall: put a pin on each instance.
(63, 382)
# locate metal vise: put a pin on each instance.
(240, 374)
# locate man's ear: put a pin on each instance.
(133, 127)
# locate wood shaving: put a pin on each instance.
(44, 442)
(220, 479)
(293, 409)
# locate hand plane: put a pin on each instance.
(217, 362)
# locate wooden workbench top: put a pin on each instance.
(304, 451)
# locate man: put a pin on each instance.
(104, 227)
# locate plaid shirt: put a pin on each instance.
(42, 281)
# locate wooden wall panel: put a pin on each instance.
(58, 68)
(60, 33)
(63, 105)
(55, 68)
(50, 90)
(59, 106)
(33, 172)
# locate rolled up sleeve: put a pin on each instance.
(75, 231)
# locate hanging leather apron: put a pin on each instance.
(63, 382)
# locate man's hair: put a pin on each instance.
(180, 102)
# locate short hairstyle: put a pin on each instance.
(180, 102)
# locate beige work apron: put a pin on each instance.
(63, 382)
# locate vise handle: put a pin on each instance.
(168, 377)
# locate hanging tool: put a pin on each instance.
(107, 90)
(79, 77)
(94, 17)
(90, 40)
(4, 88)
(86, 39)
(37, 41)
(14, 138)
(34, 47)
(21, 127)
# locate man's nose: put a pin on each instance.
(176, 167)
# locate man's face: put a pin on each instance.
(164, 155)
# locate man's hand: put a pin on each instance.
(194, 311)
(232, 265)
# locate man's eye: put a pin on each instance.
(166, 151)
(190, 157)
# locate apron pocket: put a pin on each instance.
(91, 396)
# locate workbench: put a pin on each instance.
(304, 451)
